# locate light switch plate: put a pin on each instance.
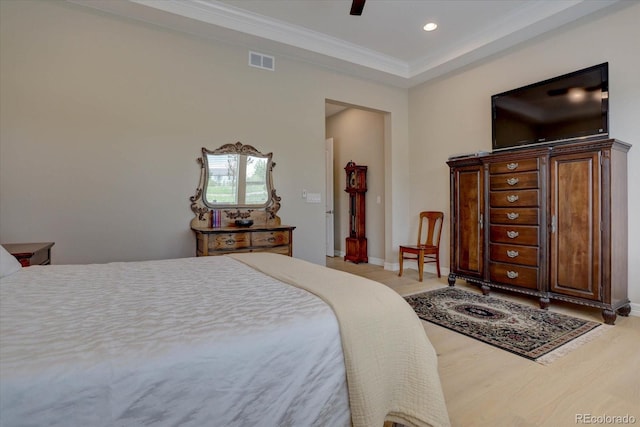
(314, 198)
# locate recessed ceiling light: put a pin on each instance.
(430, 26)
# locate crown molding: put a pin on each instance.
(223, 15)
(535, 19)
(224, 22)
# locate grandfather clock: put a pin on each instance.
(356, 187)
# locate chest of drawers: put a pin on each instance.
(224, 240)
(514, 223)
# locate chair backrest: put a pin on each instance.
(434, 222)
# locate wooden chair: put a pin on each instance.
(427, 250)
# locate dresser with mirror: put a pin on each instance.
(235, 204)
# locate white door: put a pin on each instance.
(329, 199)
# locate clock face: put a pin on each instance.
(352, 179)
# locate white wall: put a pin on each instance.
(102, 119)
(359, 137)
(452, 115)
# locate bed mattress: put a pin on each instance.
(189, 342)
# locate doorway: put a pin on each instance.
(358, 134)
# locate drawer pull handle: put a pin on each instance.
(271, 239)
(513, 181)
(512, 234)
(230, 241)
(513, 215)
(512, 254)
(512, 274)
(512, 198)
(512, 166)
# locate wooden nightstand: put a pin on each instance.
(30, 253)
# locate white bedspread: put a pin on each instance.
(391, 366)
(188, 342)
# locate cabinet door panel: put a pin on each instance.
(468, 231)
(575, 238)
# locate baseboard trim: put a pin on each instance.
(376, 261)
(372, 260)
(635, 309)
(428, 268)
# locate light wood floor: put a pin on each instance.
(485, 386)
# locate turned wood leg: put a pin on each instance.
(438, 264)
(485, 289)
(400, 258)
(609, 316)
(452, 279)
(420, 265)
(544, 303)
(624, 310)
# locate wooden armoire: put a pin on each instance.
(545, 221)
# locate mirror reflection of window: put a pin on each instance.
(236, 179)
(223, 179)
(256, 181)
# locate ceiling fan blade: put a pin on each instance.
(356, 7)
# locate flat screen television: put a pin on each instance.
(564, 108)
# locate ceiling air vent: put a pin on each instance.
(260, 60)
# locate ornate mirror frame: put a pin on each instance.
(263, 212)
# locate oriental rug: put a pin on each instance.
(533, 333)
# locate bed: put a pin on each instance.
(237, 340)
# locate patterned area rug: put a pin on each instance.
(539, 335)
